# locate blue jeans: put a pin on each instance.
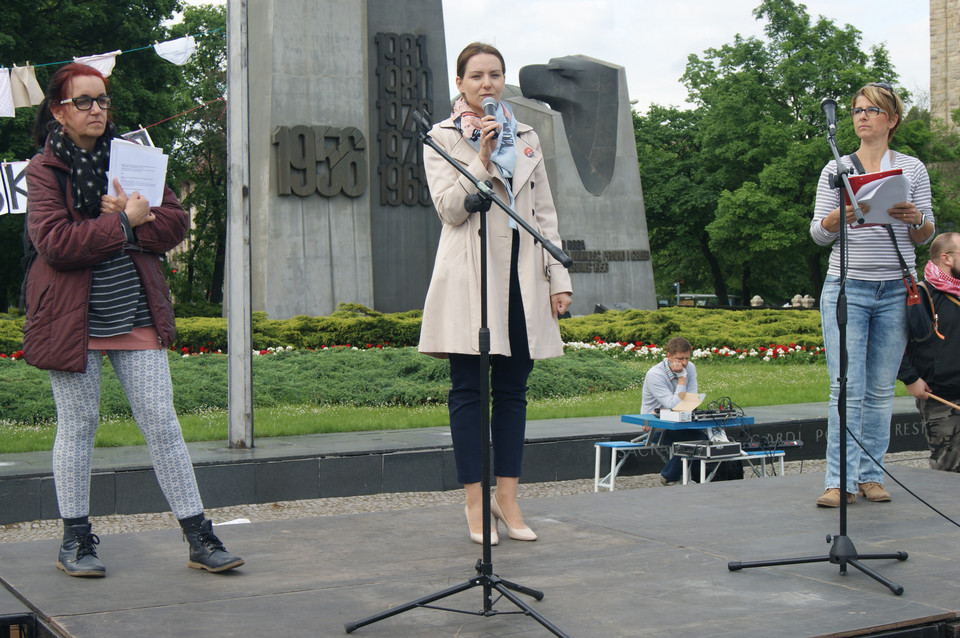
(876, 338)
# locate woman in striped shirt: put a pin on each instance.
(876, 296)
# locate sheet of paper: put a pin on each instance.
(881, 195)
(139, 168)
(689, 402)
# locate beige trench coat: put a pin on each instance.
(451, 313)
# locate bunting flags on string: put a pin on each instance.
(176, 51)
(102, 62)
(26, 89)
(19, 87)
(6, 94)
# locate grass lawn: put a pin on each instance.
(747, 383)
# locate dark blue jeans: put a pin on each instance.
(508, 389)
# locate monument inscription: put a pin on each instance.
(404, 84)
(322, 159)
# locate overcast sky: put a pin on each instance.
(652, 39)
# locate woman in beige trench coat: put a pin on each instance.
(527, 288)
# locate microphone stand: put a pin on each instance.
(480, 203)
(842, 551)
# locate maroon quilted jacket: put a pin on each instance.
(69, 244)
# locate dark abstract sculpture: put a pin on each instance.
(587, 94)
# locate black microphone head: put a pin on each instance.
(828, 106)
(489, 106)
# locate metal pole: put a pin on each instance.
(239, 373)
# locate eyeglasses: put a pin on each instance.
(85, 103)
(871, 111)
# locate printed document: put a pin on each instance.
(139, 168)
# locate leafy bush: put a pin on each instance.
(198, 309)
(703, 327)
(342, 376)
(353, 324)
(11, 333)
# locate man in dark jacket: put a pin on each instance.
(932, 366)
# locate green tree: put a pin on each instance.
(758, 144)
(199, 158)
(56, 31)
(680, 199)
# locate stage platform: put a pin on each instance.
(643, 562)
(359, 463)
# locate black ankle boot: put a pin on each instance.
(78, 552)
(206, 550)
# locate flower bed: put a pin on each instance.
(652, 352)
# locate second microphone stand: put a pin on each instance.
(842, 552)
(480, 203)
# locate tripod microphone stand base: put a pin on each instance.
(842, 553)
(485, 579)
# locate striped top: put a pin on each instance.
(118, 301)
(870, 252)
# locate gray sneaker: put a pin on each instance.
(665, 482)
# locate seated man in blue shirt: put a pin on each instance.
(662, 389)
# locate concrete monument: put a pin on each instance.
(591, 154)
(340, 210)
(339, 205)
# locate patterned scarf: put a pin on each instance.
(88, 169)
(468, 123)
(941, 280)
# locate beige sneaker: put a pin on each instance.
(831, 498)
(874, 492)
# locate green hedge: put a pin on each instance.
(703, 327)
(354, 324)
(11, 334)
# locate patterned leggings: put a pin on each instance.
(145, 378)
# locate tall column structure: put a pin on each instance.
(944, 59)
(339, 206)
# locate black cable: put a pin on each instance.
(896, 480)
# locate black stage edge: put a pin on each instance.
(359, 463)
(644, 562)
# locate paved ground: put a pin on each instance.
(257, 512)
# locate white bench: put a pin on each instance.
(619, 451)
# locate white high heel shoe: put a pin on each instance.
(516, 533)
(478, 538)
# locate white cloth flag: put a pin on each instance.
(6, 95)
(103, 62)
(177, 51)
(26, 89)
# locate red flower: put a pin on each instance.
(185, 350)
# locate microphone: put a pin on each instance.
(829, 108)
(490, 108)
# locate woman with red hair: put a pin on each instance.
(96, 287)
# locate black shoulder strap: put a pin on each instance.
(856, 163)
(925, 295)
